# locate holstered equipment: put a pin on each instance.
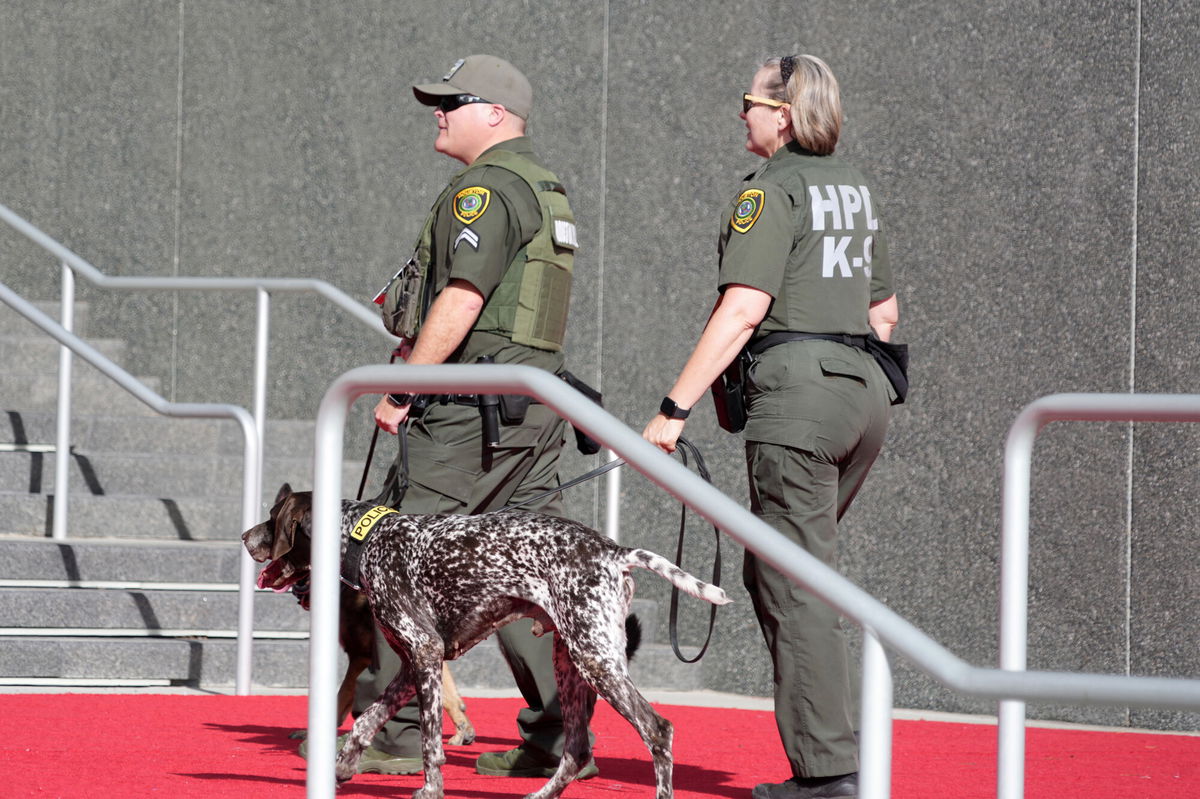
(489, 412)
(585, 443)
(728, 394)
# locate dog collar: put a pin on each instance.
(357, 541)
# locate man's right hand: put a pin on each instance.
(389, 417)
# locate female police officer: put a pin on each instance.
(800, 253)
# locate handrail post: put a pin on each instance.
(262, 335)
(245, 645)
(62, 447)
(1014, 600)
(875, 731)
(248, 570)
(612, 504)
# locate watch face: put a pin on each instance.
(671, 409)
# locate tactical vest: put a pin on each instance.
(530, 304)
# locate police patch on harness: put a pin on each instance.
(362, 528)
(470, 203)
(746, 212)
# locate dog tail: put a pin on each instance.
(633, 635)
(681, 579)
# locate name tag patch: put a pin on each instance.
(564, 234)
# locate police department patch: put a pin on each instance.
(470, 203)
(745, 213)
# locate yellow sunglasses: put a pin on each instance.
(750, 100)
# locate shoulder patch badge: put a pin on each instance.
(470, 203)
(746, 212)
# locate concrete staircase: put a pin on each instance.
(144, 590)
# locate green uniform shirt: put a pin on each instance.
(485, 218)
(805, 230)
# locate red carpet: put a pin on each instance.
(133, 746)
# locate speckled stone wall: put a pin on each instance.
(1034, 166)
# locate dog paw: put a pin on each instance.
(343, 773)
(464, 735)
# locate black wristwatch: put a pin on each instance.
(399, 400)
(671, 410)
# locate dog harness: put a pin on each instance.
(362, 529)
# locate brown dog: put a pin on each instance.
(356, 633)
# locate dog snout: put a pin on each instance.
(258, 541)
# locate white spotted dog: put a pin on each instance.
(438, 585)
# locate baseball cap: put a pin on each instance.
(486, 76)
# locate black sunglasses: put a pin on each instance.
(453, 102)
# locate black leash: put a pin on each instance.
(391, 475)
(684, 447)
(583, 478)
(396, 485)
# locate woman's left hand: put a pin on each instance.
(663, 432)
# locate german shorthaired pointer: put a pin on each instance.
(438, 585)
(356, 633)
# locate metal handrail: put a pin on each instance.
(251, 490)
(262, 286)
(891, 629)
(1014, 563)
(73, 264)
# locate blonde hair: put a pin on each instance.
(815, 99)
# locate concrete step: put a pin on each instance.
(212, 663)
(173, 612)
(112, 560)
(203, 663)
(182, 474)
(38, 352)
(155, 434)
(190, 519)
(195, 662)
(89, 390)
(149, 435)
(14, 324)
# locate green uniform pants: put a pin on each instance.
(803, 493)
(450, 473)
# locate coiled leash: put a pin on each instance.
(684, 446)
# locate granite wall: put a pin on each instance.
(1036, 165)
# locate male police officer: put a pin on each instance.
(501, 231)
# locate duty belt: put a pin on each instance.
(782, 336)
(470, 400)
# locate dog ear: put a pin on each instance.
(285, 491)
(285, 524)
